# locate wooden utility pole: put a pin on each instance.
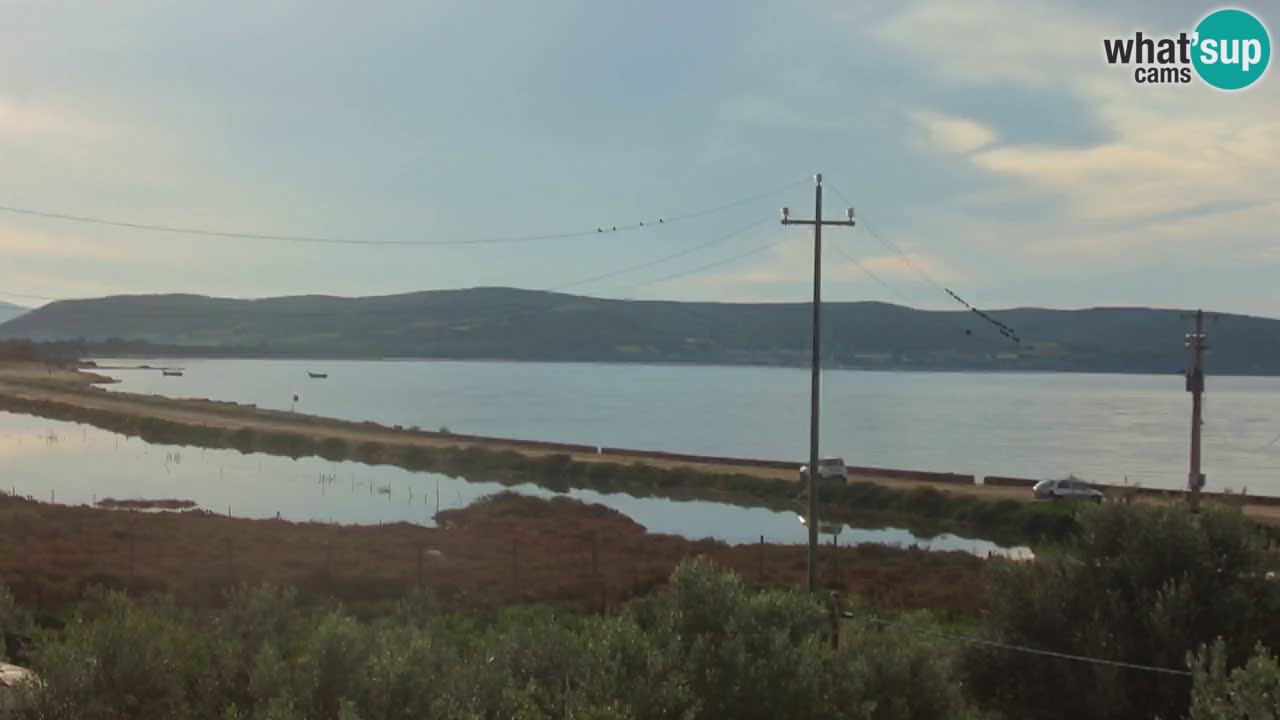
(1197, 343)
(815, 381)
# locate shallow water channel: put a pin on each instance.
(73, 463)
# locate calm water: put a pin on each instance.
(77, 464)
(1100, 427)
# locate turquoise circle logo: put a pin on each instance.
(1232, 49)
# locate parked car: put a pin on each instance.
(1065, 489)
(829, 468)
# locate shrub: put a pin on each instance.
(1245, 693)
(709, 648)
(1142, 584)
(15, 623)
(122, 661)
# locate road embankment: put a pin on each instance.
(74, 396)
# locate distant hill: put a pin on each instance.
(9, 311)
(506, 323)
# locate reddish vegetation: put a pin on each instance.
(138, 504)
(508, 549)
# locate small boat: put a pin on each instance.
(318, 376)
(171, 373)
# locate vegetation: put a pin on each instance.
(508, 549)
(1157, 587)
(140, 504)
(529, 325)
(1250, 692)
(1142, 584)
(27, 351)
(709, 648)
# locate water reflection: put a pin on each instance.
(1019, 424)
(78, 464)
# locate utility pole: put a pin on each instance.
(1197, 343)
(815, 381)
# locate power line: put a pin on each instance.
(867, 271)
(100, 312)
(1004, 329)
(893, 246)
(664, 258)
(708, 266)
(906, 257)
(315, 239)
(1008, 332)
(1024, 649)
(523, 311)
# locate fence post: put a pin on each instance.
(132, 555)
(230, 571)
(419, 565)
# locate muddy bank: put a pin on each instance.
(507, 549)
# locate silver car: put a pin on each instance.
(1065, 489)
(829, 468)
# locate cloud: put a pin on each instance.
(20, 241)
(1159, 168)
(952, 135)
(786, 272)
(27, 120)
(987, 41)
(908, 267)
(1168, 150)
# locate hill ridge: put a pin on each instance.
(521, 324)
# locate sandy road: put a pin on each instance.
(34, 381)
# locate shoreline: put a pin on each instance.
(73, 394)
(78, 389)
(322, 357)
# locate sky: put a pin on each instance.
(986, 141)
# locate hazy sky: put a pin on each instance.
(986, 137)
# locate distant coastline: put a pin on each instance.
(906, 368)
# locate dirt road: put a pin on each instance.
(33, 381)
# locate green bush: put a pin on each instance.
(1250, 692)
(1141, 583)
(13, 618)
(120, 660)
(708, 648)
